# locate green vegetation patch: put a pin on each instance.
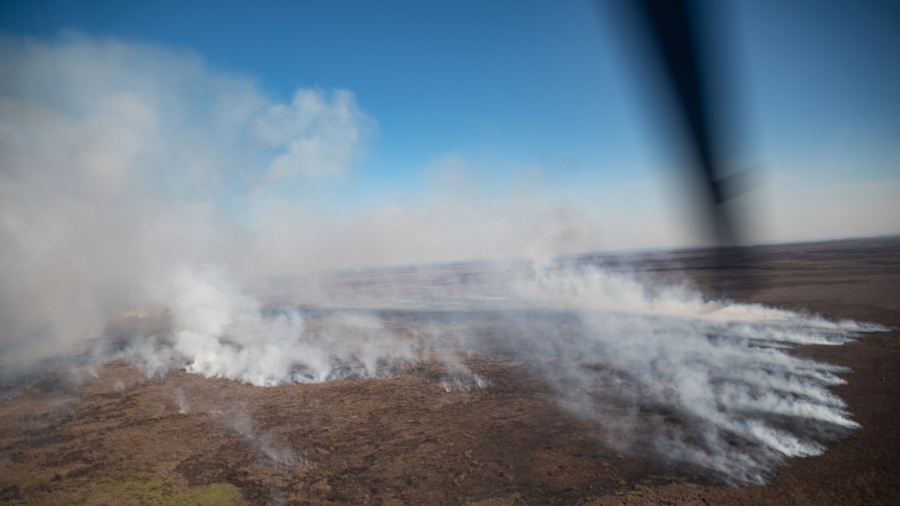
(147, 490)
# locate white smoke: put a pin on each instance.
(659, 369)
(182, 402)
(121, 162)
(261, 441)
(694, 380)
(126, 170)
(217, 331)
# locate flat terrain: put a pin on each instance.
(117, 437)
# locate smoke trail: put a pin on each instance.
(664, 373)
(659, 369)
(181, 401)
(267, 445)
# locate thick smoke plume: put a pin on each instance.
(155, 210)
(122, 164)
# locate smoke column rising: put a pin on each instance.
(122, 165)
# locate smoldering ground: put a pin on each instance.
(142, 192)
(658, 369)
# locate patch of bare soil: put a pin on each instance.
(69, 438)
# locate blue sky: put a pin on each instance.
(501, 88)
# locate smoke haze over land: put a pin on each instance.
(658, 369)
(123, 164)
(137, 184)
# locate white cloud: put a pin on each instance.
(318, 138)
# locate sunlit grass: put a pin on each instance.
(146, 490)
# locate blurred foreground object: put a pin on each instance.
(678, 38)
